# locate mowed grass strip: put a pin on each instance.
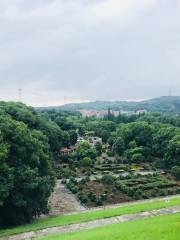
(90, 216)
(165, 227)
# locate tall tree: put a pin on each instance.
(26, 174)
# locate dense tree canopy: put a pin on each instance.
(26, 166)
(30, 142)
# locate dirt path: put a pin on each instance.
(62, 201)
(92, 224)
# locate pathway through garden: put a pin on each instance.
(62, 201)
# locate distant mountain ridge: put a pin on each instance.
(167, 104)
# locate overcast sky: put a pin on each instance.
(73, 50)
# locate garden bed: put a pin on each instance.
(111, 190)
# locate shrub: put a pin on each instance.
(86, 162)
(103, 196)
(99, 201)
(137, 195)
(92, 196)
(176, 172)
(74, 189)
(82, 198)
(108, 179)
(137, 158)
(178, 190)
(64, 181)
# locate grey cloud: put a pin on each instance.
(80, 50)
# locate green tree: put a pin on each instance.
(119, 146)
(26, 172)
(72, 137)
(161, 137)
(6, 176)
(111, 141)
(104, 135)
(172, 156)
(86, 162)
(137, 158)
(86, 150)
(176, 172)
(98, 147)
(66, 139)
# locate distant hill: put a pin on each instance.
(167, 104)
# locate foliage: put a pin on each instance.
(173, 152)
(107, 179)
(86, 150)
(176, 172)
(146, 186)
(119, 146)
(166, 104)
(26, 172)
(30, 142)
(90, 216)
(86, 162)
(98, 147)
(159, 227)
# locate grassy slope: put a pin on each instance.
(89, 216)
(157, 228)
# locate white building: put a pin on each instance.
(94, 140)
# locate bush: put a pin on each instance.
(137, 195)
(108, 179)
(64, 181)
(82, 198)
(74, 189)
(178, 190)
(86, 162)
(137, 158)
(72, 185)
(110, 153)
(103, 196)
(155, 192)
(175, 171)
(64, 173)
(92, 196)
(99, 201)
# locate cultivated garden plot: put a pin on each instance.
(110, 189)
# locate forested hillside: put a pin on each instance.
(29, 146)
(161, 104)
(136, 157)
(31, 143)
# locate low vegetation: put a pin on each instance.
(89, 216)
(110, 189)
(161, 227)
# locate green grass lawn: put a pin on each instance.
(89, 216)
(157, 228)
